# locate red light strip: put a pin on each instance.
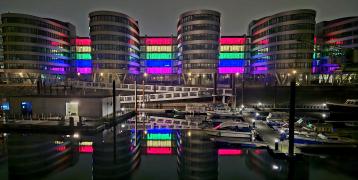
(83, 42)
(158, 41)
(224, 41)
(228, 152)
(159, 150)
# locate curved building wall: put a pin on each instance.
(35, 47)
(282, 44)
(198, 42)
(334, 39)
(115, 45)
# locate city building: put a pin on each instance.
(336, 50)
(35, 48)
(115, 46)
(277, 48)
(282, 45)
(158, 59)
(198, 43)
(82, 59)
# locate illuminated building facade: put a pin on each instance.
(282, 45)
(198, 43)
(115, 46)
(336, 49)
(82, 59)
(276, 48)
(35, 48)
(233, 58)
(158, 59)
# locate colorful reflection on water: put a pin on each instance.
(153, 154)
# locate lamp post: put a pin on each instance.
(291, 122)
(242, 89)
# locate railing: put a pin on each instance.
(140, 87)
(165, 96)
(152, 122)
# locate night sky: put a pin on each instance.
(159, 17)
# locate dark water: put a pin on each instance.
(155, 154)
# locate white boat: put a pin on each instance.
(223, 111)
(303, 138)
(277, 118)
(350, 106)
(233, 129)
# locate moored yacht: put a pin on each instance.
(350, 106)
(233, 129)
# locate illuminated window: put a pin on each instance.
(232, 40)
(231, 56)
(152, 136)
(83, 49)
(83, 56)
(159, 48)
(159, 63)
(158, 41)
(232, 48)
(159, 56)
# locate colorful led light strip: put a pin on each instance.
(159, 70)
(83, 56)
(232, 40)
(231, 63)
(83, 42)
(159, 48)
(159, 56)
(159, 150)
(83, 63)
(229, 152)
(151, 136)
(84, 70)
(232, 48)
(231, 56)
(158, 41)
(159, 63)
(231, 70)
(83, 49)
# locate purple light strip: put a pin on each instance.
(231, 70)
(84, 70)
(159, 70)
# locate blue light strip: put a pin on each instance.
(83, 63)
(159, 63)
(231, 63)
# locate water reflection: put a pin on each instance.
(197, 156)
(115, 160)
(32, 156)
(156, 153)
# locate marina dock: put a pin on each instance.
(63, 127)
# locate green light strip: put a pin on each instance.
(159, 56)
(159, 136)
(231, 56)
(83, 56)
